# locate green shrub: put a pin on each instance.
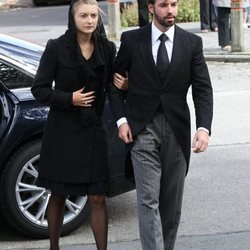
(129, 15)
(189, 11)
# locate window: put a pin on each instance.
(13, 78)
(4, 113)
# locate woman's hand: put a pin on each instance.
(83, 99)
(121, 82)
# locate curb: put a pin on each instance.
(227, 58)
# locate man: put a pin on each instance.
(153, 117)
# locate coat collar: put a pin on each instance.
(97, 55)
(178, 54)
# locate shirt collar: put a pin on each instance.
(156, 33)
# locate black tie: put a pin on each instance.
(162, 62)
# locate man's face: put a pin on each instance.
(164, 13)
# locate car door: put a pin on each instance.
(6, 110)
(8, 101)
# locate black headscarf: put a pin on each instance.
(71, 32)
(99, 36)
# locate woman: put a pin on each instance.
(208, 16)
(224, 29)
(223, 18)
(74, 153)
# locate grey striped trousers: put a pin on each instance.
(159, 168)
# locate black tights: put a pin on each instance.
(99, 219)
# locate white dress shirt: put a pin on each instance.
(156, 42)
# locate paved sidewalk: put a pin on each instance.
(236, 241)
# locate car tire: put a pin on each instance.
(23, 204)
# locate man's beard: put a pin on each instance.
(163, 21)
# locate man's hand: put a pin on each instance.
(125, 133)
(200, 141)
(121, 82)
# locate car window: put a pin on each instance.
(13, 78)
(1, 117)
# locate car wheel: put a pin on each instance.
(24, 204)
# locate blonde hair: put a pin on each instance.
(90, 2)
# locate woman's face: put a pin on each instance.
(86, 18)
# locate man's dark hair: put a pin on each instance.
(151, 1)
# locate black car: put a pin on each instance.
(22, 120)
(46, 2)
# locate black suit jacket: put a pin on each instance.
(146, 92)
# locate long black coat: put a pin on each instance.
(146, 91)
(72, 152)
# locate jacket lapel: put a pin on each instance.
(177, 55)
(145, 51)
